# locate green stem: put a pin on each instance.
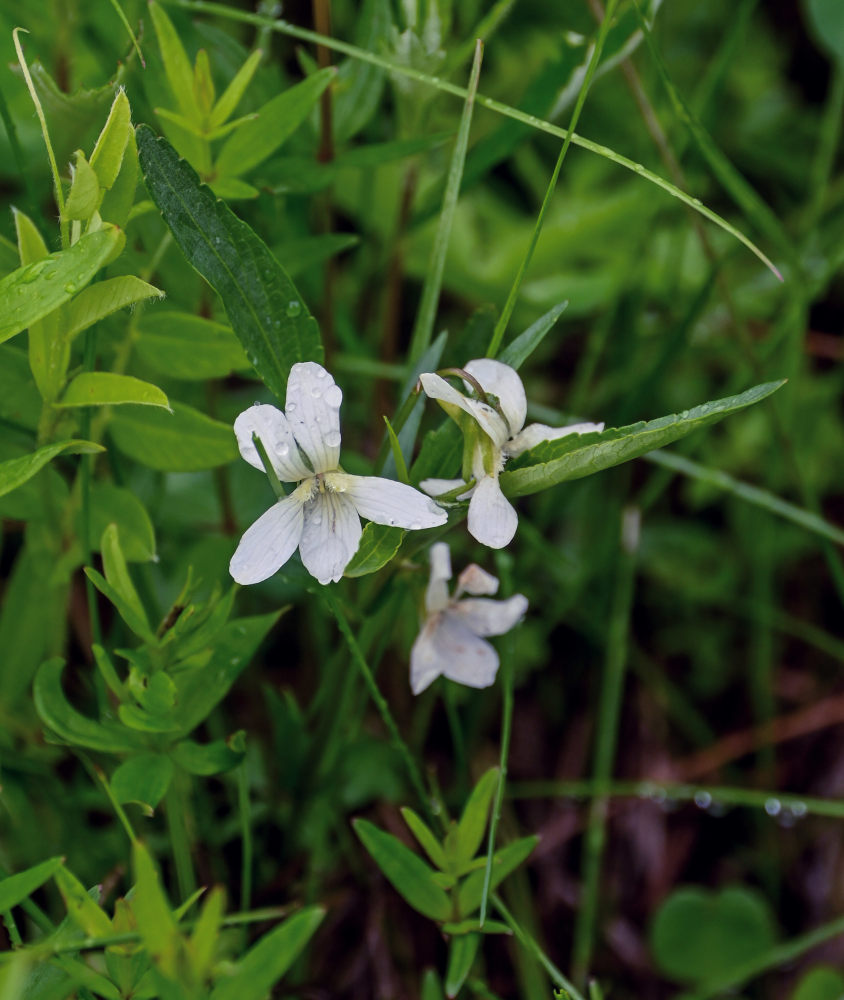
(509, 305)
(179, 842)
(12, 929)
(245, 810)
(609, 713)
(85, 474)
(380, 703)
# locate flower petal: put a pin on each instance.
(502, 381)
(313, 410)
(330, 536)
(387, 502)
(474, 580)
(486, 617)
(445, 646)
(492, 518)
(271, 426)
(535, 434)
(269, 542)
(436, 487)
(486, 417)
(436, 595)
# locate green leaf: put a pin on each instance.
(470, 829)
(120, 506)
(406, 871)
(699, 935)
(820, 983)
(118, 199)
(431, 986)
(117, 575)
(578, 455)
(471, 926)
(429, 843)
(182, 441)
(176, 63)
(155, 920)
(503, 862)
(84, 196)
(519, 350)
(277, 120)
(33, 291)
(360, 85)
(203, 941)
(16, 888)
(81, 908)
(16, 471)
(378, 544)
(68, 724)
(107, 158)
(107, 389)
(210, 758)
(253, 977)
(104, 298)
(143, 779)
(263, 305)
(189, 347)
(231, 96)
(20, 401)
(232, 189)
(126, 612)
(461, 955)
(826, 18)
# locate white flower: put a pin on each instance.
(322, 515)
(492, 518)
(450, 642)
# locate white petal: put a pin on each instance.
(466, 658)
(436, 487)
(269, 542)
(534, 434)
(330, 536)
(426, 663)
(313, 410)
(489, 421)
(271, 426)
(492, 518)
(387, 502)
(474, 580)
(436, 595)
(502, 381)
(485, 617)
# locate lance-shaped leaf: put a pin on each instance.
(108, 389)
(406, 871)
(81, 908)
(17, 471)
(107, 157)
(578, 455)
(18, 887)
(189, 347)
(182, 441)
(378, 544)
(33, 291)
(104, 298)
(503, 862)
(84, 190)
(264, 307)
(461, 956)
(470, 829)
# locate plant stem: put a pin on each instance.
(245, 810)
(179, 842)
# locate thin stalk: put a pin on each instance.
(99, 776)
(830, 137)
(609, 713)
(380, 703)
(85, 475)
(57, 181)
(179, 842)
(532, 946)
(509, 305)
(247, 851)
(294, 31)
(423, 328)
(12, 929)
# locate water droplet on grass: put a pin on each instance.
(773, 807)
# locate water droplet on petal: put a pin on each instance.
(282, 448)
(316, 392)
(321, 373)
(334, 396)
(291, 406)
(332, 439)
(416, 526)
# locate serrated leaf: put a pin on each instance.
(14, 889)
(189, 347)
(406, 871)
(277, 120)
(461, 955)
(84, 196)
(143, 779)
(16, 471)
(107, 157)
(182, 441)
(107, 389)
(429, 843)
(81, 908)
(378, 544)
(231, 96)
(503, 862)
(33, 291)
(470, 829)
(209, 758)
(104, 298)
(264, 307)
(71, 726)
(578, 455)
(519, 350)
(253, 977)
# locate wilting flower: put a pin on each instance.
(322, 515)
(498, 433)
(451, 642)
